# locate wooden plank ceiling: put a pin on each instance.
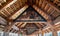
(11, 9)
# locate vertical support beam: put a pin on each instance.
(42, 33)
(54, 33)
(38, 34)
(18, 33)
(6, 34)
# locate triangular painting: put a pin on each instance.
(30, 15)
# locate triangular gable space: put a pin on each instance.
(29, 15)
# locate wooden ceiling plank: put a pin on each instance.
(4, 11)
(53, 6)
(38, 25)
(40, 3)
(8, 12)
(16, 23)
(3, 14)
(47, 7)
(9, 4)
(23, 25)
(18, 12)
(20, 24)
(41, 24)
(35, 22)
(37, 2)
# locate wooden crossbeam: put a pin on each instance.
(35, 22)
(23, 25)
(30, 21)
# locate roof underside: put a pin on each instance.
(24, 15)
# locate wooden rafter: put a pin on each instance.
(9, 4)
(47, 17)
(53, 6)
(23, 25)
(38, 25)
(19, 12)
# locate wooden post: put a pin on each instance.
(18, 33)
(6, 34)
(42, 33)
(54, 33)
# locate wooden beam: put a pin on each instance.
(47, 7)
(7, 12)
(38, 25)
(42, 24)
(20, 23)
(41, 12)
(43, 4)
(19, 12)
(34, 22)
(42, 33)
(29, 21)
(37, 2)
(53, 6)
(40, 3)
(23, 25)
(4, 3)
(54, 33)
(3, 13)
(9, 4)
